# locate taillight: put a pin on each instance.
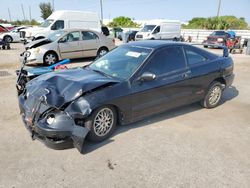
(113, 40)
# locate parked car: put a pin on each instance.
(127, 84)
(216, 38)
(131, 36)
(68, 43)
(7, 26)
(3, 29)
(13, 35)
(160, 29)
(63, 19)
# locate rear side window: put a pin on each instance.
(194, 57)
(87, 35)
(167, 60)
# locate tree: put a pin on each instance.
(220, 23)
(46, 10)
(123, 21)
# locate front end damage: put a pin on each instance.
(54, 109)
(56, 128)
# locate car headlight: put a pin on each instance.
(50, 119)
(37, 50)
(220, 40)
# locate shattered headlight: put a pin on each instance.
(50, 119)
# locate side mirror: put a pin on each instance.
(146, 77)
(62, 40)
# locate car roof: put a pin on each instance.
(154, 44)
(75, 29)
(157, 44)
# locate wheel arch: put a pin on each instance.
(103, 47)
(118, 111)
(221, 80)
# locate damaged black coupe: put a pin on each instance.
(131, 82)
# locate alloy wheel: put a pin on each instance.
(103, 122)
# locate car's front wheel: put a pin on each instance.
(213, 96)
(101, 123)
(50, 58)
(8, 39)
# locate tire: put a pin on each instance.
(96, 133)
(205, 46)
(50, 58)
(102, 51)
(213, 95)
(8, 39)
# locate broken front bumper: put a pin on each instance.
(63, 133)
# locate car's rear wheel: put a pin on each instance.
(8, 39)
(50, 58)
(213, 96)
(102, 51)
(101, 123)
(205, 46)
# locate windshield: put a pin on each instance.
(148, 28)
(46, 23)
(121, 62)
(56, 35)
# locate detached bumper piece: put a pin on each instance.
(55, 138)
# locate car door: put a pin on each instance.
(89, 43)
(69, 46)
(169, 89)
(203, 71)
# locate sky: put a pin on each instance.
(183, 10)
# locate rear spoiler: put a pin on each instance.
(225, 49)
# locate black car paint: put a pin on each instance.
(74, 94)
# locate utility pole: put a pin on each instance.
(30, 12)
(53, 5)
(23, 12)
(101, 12)
(218, 11)
(9, 14)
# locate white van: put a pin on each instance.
(64, 19)
(160, 29)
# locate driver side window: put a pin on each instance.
(71, 37)
(166, 60)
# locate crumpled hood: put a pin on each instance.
(37, 43)
(58, 88)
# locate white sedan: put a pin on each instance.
(69, 43)
(13, 35)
